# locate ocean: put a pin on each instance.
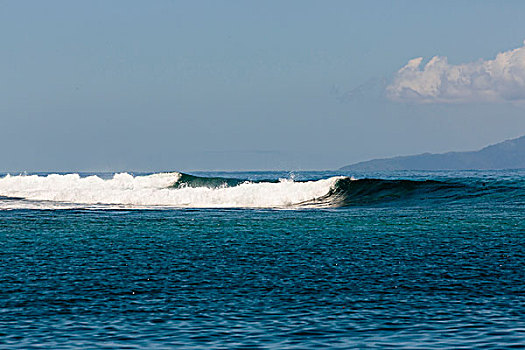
(283, 260)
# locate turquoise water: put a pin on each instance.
(378, 263)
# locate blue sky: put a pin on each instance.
(237, 85)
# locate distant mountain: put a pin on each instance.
(509, 154)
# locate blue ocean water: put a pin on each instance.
(385, 260)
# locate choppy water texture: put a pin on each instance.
(378, 263)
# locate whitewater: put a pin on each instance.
(124, 190)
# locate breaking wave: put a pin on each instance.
(179, 190)
(163, 190)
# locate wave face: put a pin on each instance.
(186, 180)
(179, 190)
(349, 192)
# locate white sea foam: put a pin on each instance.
(152, 191)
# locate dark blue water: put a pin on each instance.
(392, 274)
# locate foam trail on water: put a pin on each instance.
(127, 191)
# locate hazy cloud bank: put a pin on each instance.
(498, 80)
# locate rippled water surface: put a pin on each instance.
(438, 275)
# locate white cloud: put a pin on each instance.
(498, 80)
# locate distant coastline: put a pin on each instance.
(509, 154)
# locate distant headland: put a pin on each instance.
(509, 154)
